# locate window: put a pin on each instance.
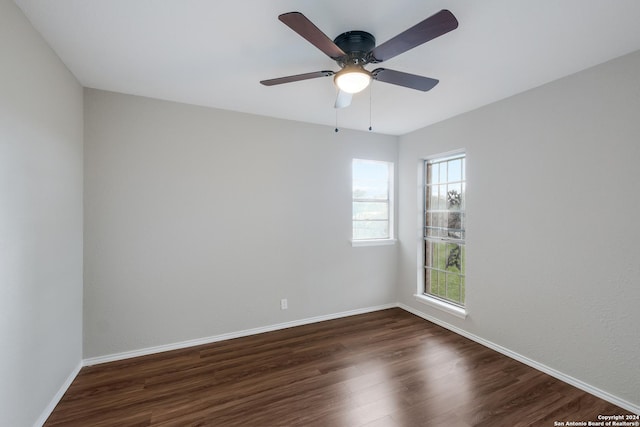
(444, 229)
(372, 192)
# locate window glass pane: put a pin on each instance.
(454, 225)
(438, 258)
(434, 196)
(442, 284)
(443, 172)
(454, 288)
(439, 222)
(432, 276)
(370, 189)
(455, 170)
(433, 282)
(370, 230)
(442, 197)
(454, 258)
(370, 170)
(454, 196)
(435, 173)
(434, 251)
(370, 180)
(370, 210)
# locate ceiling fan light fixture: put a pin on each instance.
(352, 79)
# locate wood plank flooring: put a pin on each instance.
(381, 369)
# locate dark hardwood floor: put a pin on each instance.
(387, 368)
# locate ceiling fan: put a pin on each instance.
(355, 49)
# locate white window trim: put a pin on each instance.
(420, 296)
(442, 305)
(373, 242)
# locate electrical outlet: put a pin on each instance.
(284, 304)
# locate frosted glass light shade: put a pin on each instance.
(352, 79)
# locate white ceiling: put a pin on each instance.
(214, 53)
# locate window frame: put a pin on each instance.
(389, 201)
(423, 295)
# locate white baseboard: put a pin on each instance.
(529, 362)
(56, 398)
(231, 335)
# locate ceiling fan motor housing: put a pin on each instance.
(357, 45)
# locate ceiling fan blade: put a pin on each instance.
(301, 25)
(432, 27)
(343, 99)
(399, 78)
(297, 78)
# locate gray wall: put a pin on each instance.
(553, 258)
(198, 221)
(40, 221)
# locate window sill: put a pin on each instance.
(373, 242)
(441, 305)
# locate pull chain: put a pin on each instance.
(337, 120)
(370, 97)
